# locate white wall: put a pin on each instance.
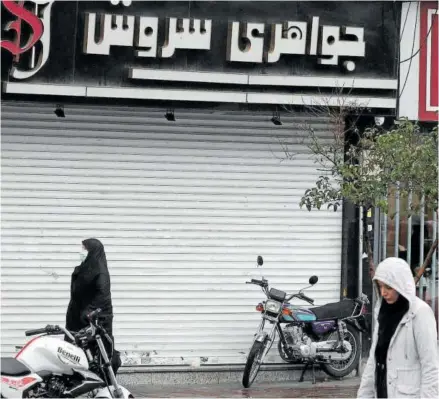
(409, 71)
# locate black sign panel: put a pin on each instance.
(104, 44)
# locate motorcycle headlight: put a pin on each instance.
(272, 306)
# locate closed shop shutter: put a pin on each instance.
(183, 209)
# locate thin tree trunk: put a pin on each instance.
(427, 260)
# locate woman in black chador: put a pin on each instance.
(90, 289)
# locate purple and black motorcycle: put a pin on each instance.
(327, 335)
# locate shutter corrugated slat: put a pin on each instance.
(183, 209)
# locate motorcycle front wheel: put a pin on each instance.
(253, 363)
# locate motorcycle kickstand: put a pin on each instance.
(303, 372)
(313, 373)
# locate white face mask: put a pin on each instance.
(83, 254)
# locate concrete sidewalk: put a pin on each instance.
(322, 389)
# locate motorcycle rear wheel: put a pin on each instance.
(253, 363)
(340, 371)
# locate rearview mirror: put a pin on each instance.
(260, 261)
(313, 280)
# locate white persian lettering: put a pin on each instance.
(115, 30)
(332, 46)
(146, 37)
(190, 34)
(314, 36)
(245, 42)
(125, 3)
(287, 38)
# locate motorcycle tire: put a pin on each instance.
(254, 355)
(335, 373)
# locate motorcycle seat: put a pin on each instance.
(335, 310)
(13, 368)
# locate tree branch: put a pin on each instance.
(427, 261)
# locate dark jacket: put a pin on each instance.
(90, 288)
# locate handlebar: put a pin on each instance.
(92, 316)
(37, 331)
(54, 330)
(362, 300)
(261, 283)
(306, 298)
(264, 284)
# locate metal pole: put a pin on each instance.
(361, 222)
(396, 220)
(409, 230)
(384, 237)
(421, 249)
(376, 253)
(376, 236)
(434, 266)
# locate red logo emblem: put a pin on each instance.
(33, 21)
(23, 16)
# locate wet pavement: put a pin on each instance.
(322, 389)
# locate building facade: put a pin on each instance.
(161, 129)
(418, 78)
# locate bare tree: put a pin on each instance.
(366, 167)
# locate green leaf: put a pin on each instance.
(367, 171)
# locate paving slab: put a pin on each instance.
(322, 389)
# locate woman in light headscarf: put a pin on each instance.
(403, 360)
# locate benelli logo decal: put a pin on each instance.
(63, 354)
(18, 383)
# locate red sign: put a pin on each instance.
(428, 63)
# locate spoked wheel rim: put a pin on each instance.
(256, 364)
(341, 365)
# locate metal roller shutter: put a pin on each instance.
(183, 209)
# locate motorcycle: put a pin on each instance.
(50, 367)
(326, 335)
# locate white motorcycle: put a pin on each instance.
(50, 367)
